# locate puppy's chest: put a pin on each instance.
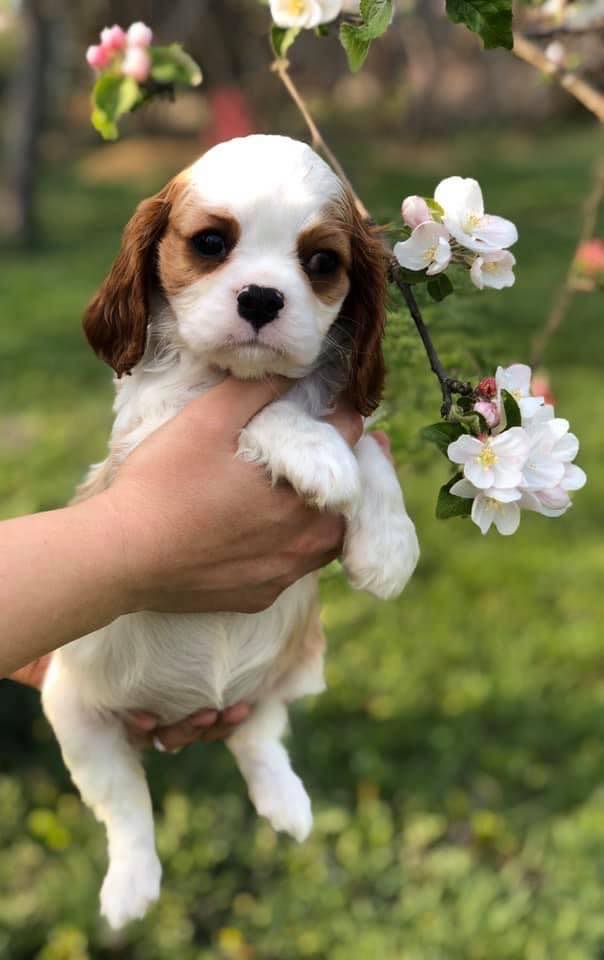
(173, 665)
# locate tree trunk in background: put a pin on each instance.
(25, 120)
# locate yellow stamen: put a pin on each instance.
(472, 221)
(296, 7)
(487, 458)
(430, 254)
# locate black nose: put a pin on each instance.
(259, 305)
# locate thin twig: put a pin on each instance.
(578, 88)
(570, 287)
(564, 30)
(281, 67)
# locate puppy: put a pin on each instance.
(253, 261)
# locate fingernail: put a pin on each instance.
(206, 718)
(144, 721)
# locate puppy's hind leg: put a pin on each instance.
(275, 790)
(109, 775)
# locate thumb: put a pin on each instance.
(233, 402)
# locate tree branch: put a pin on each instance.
(570, 286)
(578, 88)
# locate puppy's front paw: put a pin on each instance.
(317, 462)
(381, 561)
(279, 795)
(130, 886)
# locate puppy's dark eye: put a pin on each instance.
(322, 263)
(211, 244)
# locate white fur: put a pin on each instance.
(174, 664)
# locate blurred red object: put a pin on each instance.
(541, 387)
(590, 257)
(230, 116)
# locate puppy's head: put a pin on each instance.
(265, 264)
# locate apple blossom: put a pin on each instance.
(98, 57)
(426, 249)
(590, 257)
(516, 379)
(304, 13)
(493, 269)
(489, 411)
(556, 53)
(113, 38)
(491, 461)
(137, 64)
(464, 216)
(487, 388)
(497, 506)
(139, 35)
(415, 210)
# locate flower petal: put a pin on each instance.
(483, 513)
(463, 488)
(566, 448)
(496, 232)
(460, 196)
(481, 476)
(463, 449)
(574, 477)
(507, 518)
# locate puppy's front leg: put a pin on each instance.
(381, 549)
(108, 773)
(309, 454)
(275, 790)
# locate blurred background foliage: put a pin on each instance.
(456, 763)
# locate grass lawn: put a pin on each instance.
(456, 763)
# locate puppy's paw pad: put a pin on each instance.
(282, 799)
(130, 886)
(382, 565)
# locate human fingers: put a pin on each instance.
(347, 421)
(233, 403)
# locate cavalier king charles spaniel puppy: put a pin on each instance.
(252, 261)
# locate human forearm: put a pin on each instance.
(62, 575)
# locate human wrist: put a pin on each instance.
(117, 576)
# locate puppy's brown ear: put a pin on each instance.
(115, 322)
(364, 313)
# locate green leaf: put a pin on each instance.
(448, 505)
(410, 276)
(442, 434)
(282, 39)
(513, 417)
(112, 97)
(356, 38)
(377, 15)
(172, 65)
(439, 287)
(356, 45)
(491, 19)
(435, 208)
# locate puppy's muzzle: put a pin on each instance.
(259, 305)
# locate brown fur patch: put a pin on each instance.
(179, 263)
(332, 235)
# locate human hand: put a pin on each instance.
(143, 728)
(204, 531)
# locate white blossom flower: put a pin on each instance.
(304, 13)
(494, 268)
(517, 381)
(495, 505)
(415, 210)
(427, 247)
(461, 200)
(492, 461)
(549, 503)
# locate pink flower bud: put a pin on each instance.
(556, 53)
(590, 257)
(139, 35)
(137, 64)
(415, 210)
(113, 38)
(487, 388)
(540, 387)
(98, 57)
(489, 411)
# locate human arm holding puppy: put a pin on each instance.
(186, 526)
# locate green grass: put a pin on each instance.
(456, 763)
